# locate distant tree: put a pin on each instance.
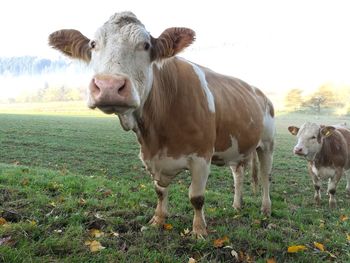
(293, 100)
(315, 103)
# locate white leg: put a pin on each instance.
(200, 170)
(348, 183)
(317, 184)
(265, 159)
(332, 186)
(238, 173)
(161, 211)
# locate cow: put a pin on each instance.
(185, 116)
(327, 151)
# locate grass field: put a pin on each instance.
(66, 181)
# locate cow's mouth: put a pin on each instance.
(112, 109)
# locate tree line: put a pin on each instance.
(325, 97)
(30, 65)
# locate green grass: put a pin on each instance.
(61, 176)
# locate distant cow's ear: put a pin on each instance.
(327, 131)
(71, 43)
(293, 130)
(171, 41)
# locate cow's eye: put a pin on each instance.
(93, 44)
(146, 46)
(313, 137)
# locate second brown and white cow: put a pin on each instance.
(185, 116)
(327, 150)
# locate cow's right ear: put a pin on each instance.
(293, 130)
(71, 43)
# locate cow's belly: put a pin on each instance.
(231, 156)
(164, 168)
(323, 172)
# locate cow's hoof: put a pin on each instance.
(318, 201)
(237, 206)
(332, 204)
(199, 233)
(157, 221)
(347, 192)
(266, 211)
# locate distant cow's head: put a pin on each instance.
(121, 55)
(310, 138)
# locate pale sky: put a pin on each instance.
(272, 44)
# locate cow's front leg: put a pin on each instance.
(317, 184)
(161, 211)
(199, 169)
(332, 186)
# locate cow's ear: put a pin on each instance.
(327, 131)
(71, 43)
(171, 41)
(293, 130)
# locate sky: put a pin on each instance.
(276, 45)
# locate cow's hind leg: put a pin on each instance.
(332, 186)
(265, 159)
(161, 211)
(347, 174)
(199, 169)
(238, 174)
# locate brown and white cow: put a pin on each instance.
(327, 150)
(185, 116)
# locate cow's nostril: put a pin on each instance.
(122, 88)
(94, 88)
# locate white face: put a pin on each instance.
(121, 55)
(309, 141)
(121, 50)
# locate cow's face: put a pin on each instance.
(310, 138)
(121, 55)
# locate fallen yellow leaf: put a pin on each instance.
(295, 249)
(348, 237)
(343, 218)
(271, 260)
(331, 255)
(2, 221)
(95, 233)
(168, 226)
(319, 246)
(25, 182)
(185, 232)
(94, 245)
(82, 201)
(218, 243)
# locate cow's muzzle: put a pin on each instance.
(299, 151)
(111, 94)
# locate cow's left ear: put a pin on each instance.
(293, 130)
(172, 41)
(327, 131)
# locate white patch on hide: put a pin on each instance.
(231, 156)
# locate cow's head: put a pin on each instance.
(310, 138)
(121, 55)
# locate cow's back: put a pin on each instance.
(240, 111)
